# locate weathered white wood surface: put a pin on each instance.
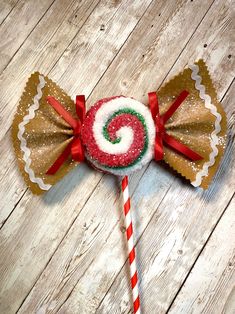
(12, 36)
(210, 285)
(65, 252)
(6, 6)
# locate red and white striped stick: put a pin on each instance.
(130, 244)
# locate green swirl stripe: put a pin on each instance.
(117, 140)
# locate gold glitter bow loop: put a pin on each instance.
(39, 134)
(200, 123)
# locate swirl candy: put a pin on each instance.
(118, 134)
(185, 126)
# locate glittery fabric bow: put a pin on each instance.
(190, 139)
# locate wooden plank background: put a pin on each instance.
(65, 252)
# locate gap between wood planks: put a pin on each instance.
(210, 286)
(16, 204)
(200, 252)
(4, 67)
(62, 53)
(9, 12)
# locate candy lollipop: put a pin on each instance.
(119, 134)
(184, 125)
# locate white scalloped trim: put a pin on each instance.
(23, 142)
(214, 141)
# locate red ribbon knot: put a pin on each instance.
(75, 147)
(161, 135)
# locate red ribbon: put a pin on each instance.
(75, 147)
(161, 135)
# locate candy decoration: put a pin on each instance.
(41, 135)
(185, 126)
(130, 244)
(118, 134)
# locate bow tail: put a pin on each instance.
(60, 160)
(75, 149)
(181, 148)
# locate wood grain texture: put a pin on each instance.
(210, 285)
(6, 6)
(12, 36)
(41, 51)
(65, 252)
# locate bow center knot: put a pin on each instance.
(77, 129)
(160, 128)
